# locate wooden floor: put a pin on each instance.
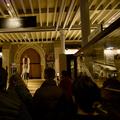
(33, 84)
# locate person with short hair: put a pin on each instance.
(87, 97)
(46, 98)
(3, 79)
(66, 84)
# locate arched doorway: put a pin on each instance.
(35, 63)
(22, 48)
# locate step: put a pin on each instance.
(33, 84)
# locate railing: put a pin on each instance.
(112, 89)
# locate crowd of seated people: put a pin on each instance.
(78, 100)
(111, 96)
(11, 106)
(87, 97)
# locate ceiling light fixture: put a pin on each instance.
(8, 4)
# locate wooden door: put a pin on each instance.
(35, 63)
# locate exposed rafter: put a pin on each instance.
(77, 34)
(51, 35)
(74, 18)
(60, 14)
(73, 33)
(23, 6)
(101, 13)
(92, 2)
(40, 17)
(31, 6)
(99, 3)
(110, 12)
(2, 13)
(55, 11)
(47, 11)
(14, 7)
(53, 16)
(69, 12)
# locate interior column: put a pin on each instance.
(60, 57)
(85, 22)
(85, 25)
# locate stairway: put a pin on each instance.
(33, 84)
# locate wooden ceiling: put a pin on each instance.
(53, 16)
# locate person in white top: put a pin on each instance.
(26, 67)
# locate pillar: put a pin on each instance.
(60, 57)
(62, 40)
(85, 22)
(85, 25)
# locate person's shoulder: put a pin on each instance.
(90, 117)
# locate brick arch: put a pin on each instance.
(37, 48)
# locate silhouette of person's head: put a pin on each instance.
(86, 93)
(15, 79)
(65, 73)
(0, 62)
(49, 73)
(3, 79)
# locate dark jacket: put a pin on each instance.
(91, 117)
(11, 108)
(66, 85)
(46, 99)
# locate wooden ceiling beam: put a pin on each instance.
(98, 4)
(71, 35)
(92, 2)
(60, 13)
(2, 13)
(14, 7)
(39, 29)
(47, 15)
(51, 35)
(77, 34)
(12, 36)
(37, 36)
(8, 38)
(72, 12)
(69, 12)
(40, 16)
(23, 6)
(42, 36)
(3, 38)
(55, 11)
(102, 12)
(7, 7)
(110, 12)
(31, 6)
(63, 12)
(74, 18)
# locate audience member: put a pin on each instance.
(66, 84)
(87, 97)
(3, 79)
(112, 82)
(9, 108)
(111, 96)
(46, 98)
(18, 86)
